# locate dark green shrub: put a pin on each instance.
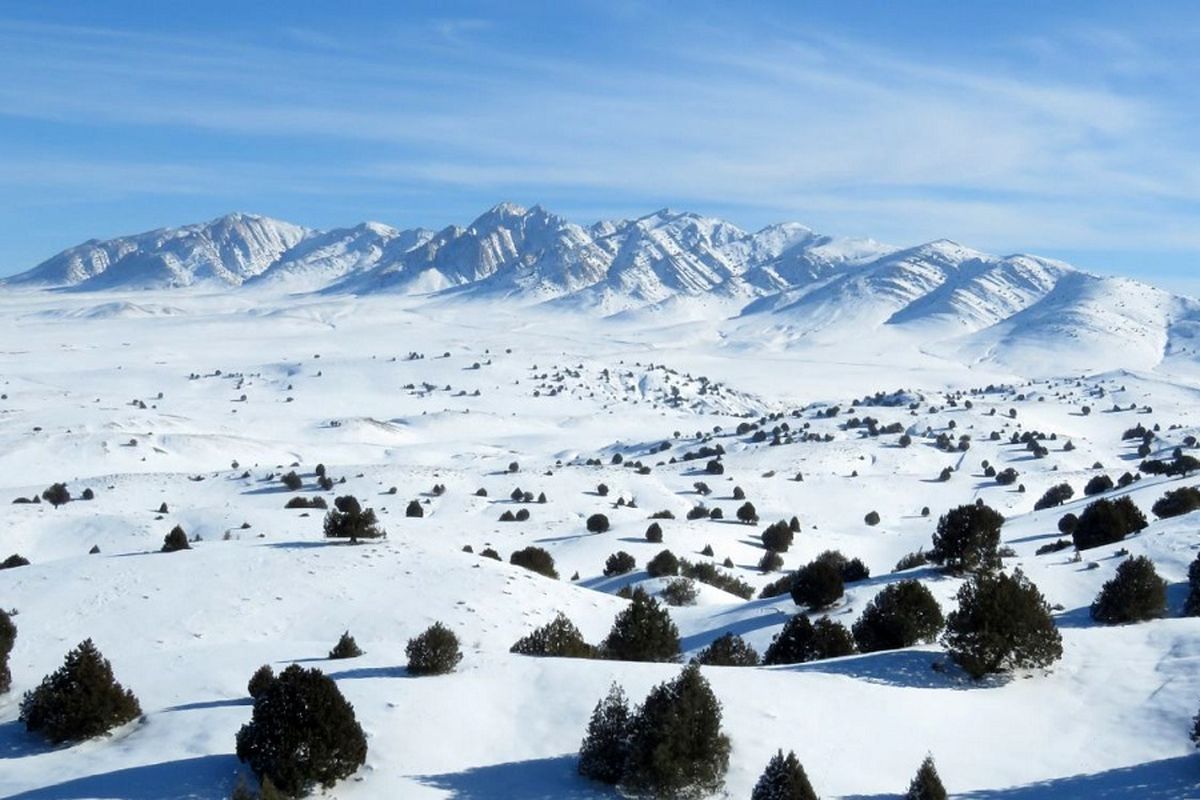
(8, 637)
(346, 647)
(800, 641)
(872, 518)
(912, 561)
(778, 537)
(292, 481)
(433, 652)
(728, 650)
(676, 747)
(770, 562)
(654, 533)
(13, 561)
(680, 592)
(1177, 503)
(901, 615)
(1107, 521)
(619, 563)
(1098, 485)
(605, 746)
(1191, 607)
(1135, 594)
(260, 681)
(707, 573)
(349, 520)
(302, 733)
(662, 565)
(817, 584)
(175, 540)
(597, 523)
(1054, 496)
(642, 632)
(306, 502)
(57, 495)
(414, 509)
(80, 700)
(746, 512)
(535, 559)
(558, 638)
(967, 537)
(926, 785)
(1002, 623)
(783, 779)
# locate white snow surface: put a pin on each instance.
(324, 380)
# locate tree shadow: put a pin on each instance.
(364, 673)
(908, 669)
(554, 778)
(16, 742)
(202, 778)
(1167, 779)
(229, 703)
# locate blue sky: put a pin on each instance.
(1069, 129)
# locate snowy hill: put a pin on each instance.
(150, 398)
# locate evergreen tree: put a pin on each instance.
(642, 632)
(662, 565)
(57, 495)
(175, 540)
(1191, 608)
(559, 637)
(619, 563)
(676, 747)
(80, 700)
(1107, 521)
(783, 779)
(728, 650)
(606, 745)
(349, 520)
(1001, 623)
(433, 652)
(597, 523)
(1177, 503)
(346, 647)
(926, 785)
(414, 510)
(302, 733)
(8, 637)
(967, 538)
(817, 584)
(654, 533)
(1135, 594)
(535, 559)
(778, 536)
(260, 681)
(901, 615)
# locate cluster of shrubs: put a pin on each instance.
(349, 520)
(643, 631)
(785, 779)
(669, 746)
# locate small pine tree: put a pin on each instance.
(778, 536)
(349, 520)
(57, 495)
(654, 533)
(302, 733)
(260, 681)
(346, 647)
(676, 747)
(663, 565)
(1191, 608)
(926, 785)
(175, 540)
(8, 637)
(728, 650)
(619, 563)
(642, 632)
(1001, 623)
(80, 700)
(414, 509)
(536, 559)
(746, 512)
(434, 652)
(817, 584)
(1106, 522)
(605, 747)
(783, 779)
(1135, 594)
(559, 637)
(901, 615)
(967, 538)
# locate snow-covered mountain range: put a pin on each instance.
(784, 283)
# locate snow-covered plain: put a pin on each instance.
(323, 379)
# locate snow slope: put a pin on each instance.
(328, 379)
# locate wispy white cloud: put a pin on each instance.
(795, 124)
